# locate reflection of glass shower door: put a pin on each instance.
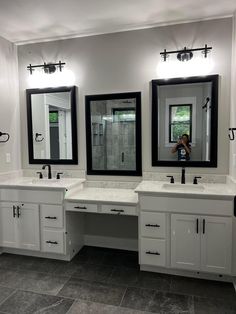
(120, 140)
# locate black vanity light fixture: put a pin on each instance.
(185, 54)
(232, 133)
(6, 137)
(48, 68)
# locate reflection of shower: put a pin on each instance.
(205, 106)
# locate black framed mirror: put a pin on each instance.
(113, 134)
(185, 121)
(52, 128)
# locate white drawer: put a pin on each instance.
(52, 216)
(187, 205)
(53, 241)
(32, 196)
(82, 207)
(153, 252)
(119, 210)
(153, 225)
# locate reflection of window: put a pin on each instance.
(53, 117)
(123, 114)
(180, 121)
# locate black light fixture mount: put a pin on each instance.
(185, 54)
(48, 68)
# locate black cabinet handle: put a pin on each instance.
(118, 211)
(204, 226)
(152, 253)
(150, 225)
(52, 242)
(197, 225)
(50, 217)
(80, 207)
(14, 211)
(18, 211)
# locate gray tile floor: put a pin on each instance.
(104, 281)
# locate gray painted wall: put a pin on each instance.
(9, 106)
(127, 61)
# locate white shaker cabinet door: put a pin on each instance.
(28, 227)
(216, 244)
(8, 225)
(185, 242)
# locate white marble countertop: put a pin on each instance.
(42, 184)
(189, 190)
(104, 195)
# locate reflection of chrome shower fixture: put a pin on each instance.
(38, 137)
(4, 134)
(231, 133)
(205, 106)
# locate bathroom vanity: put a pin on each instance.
(183, 229)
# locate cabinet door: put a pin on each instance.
(185, 242)
(216, 244)
(8, 226)
(28, 227)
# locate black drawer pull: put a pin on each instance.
(118, 211)
(152, 253)
(151, 225)
(52, 242)
(50, 217)
(80, 207)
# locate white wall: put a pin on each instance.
(9, 106)
(127, 61)
(232, 155)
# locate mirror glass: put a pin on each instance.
(184, 121)
(114, 134)
(52, 125)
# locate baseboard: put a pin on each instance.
(188, 273)
(36, 254)
(111, 242)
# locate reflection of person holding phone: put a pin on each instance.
(183, 148)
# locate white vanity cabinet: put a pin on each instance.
(201, 243)
(179, 232)
(19, 226)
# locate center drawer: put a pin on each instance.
(153, 225)
(82, 207)
(119, 210)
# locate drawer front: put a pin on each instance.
(153, 225)
(119, 210)
(187, 205)
(52, 216)
(53, 241)
(82, 207)
(153, 252)
(32, 196)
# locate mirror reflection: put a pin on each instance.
(112, 124)
(185, 112)
(51, 125)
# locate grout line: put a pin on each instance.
(68, 312)
(8, 296)
(123, 296)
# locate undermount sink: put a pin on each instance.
(183, 187)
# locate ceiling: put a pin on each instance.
(24, 21)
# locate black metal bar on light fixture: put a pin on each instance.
(48, 67)
(205, 50)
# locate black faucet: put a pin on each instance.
(183, 176)
(49, 171)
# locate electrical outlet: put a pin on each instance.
(8, 158)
